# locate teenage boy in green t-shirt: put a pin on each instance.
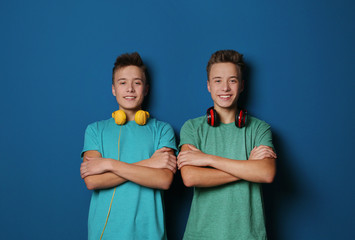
(128, 160)
(227, 202)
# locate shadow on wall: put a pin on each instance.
(177, 205)
(277, 193)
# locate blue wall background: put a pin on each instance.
(56, 61)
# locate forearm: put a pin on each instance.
(205, 177)
(103, 181)
(108, 179)
(100, 181)
(145, 176)
(261, 171)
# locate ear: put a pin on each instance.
(113, 90)
(208, 86)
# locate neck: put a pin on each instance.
(226, 115)
(130, 114)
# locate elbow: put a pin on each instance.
(166, 182)
(188, 180)
(269, 172)
(269, 177)
(188, 177)
(165, 186)
(90, 185)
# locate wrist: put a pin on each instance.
(209, 160)
(143, 163)
(110, 166)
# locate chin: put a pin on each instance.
(226, 105)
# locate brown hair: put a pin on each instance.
(129, 59)
(224, 56)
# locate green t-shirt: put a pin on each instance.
(234, 210)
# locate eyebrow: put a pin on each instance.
(218, 77)
(124, 79)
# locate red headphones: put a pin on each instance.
(240, 119)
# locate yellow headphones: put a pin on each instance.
(141, 117)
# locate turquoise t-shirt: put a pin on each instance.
(230, 211)
(137, 212)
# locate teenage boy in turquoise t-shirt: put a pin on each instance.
(227, 202)
(128, 160)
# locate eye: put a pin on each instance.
(138, 82)
(121, 82)
(233, 80)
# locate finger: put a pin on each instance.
(181, 159)
(173, 169)
(84, 175)
(182, 165)
(164, 149)
(269, 152)
(265, 155)
(264, 147)
(181, 154)
(172, 164)
(261, 150)
(82, 168)
(185, 153)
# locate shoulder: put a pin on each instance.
(195, 122)
(100, 125)
(257, 124)
(157, 123)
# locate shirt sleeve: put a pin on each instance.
(187, 134)
(167, 137)
(91, 141)
(264, 135)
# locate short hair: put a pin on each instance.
(225, 56)
(129, 59)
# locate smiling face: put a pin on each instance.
(129, 87)
(225, 85)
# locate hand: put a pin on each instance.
(162, 158)
(192, 157)
(262, 152)
(94, 166)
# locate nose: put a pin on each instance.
(226, 86)
(130, 87)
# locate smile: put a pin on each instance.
(225, 96)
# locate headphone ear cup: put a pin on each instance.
(120, 117)
(212, 117)
(241, 119)
(141, 117)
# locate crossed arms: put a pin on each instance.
(154, 172)
(158, 171)
(260, 167)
